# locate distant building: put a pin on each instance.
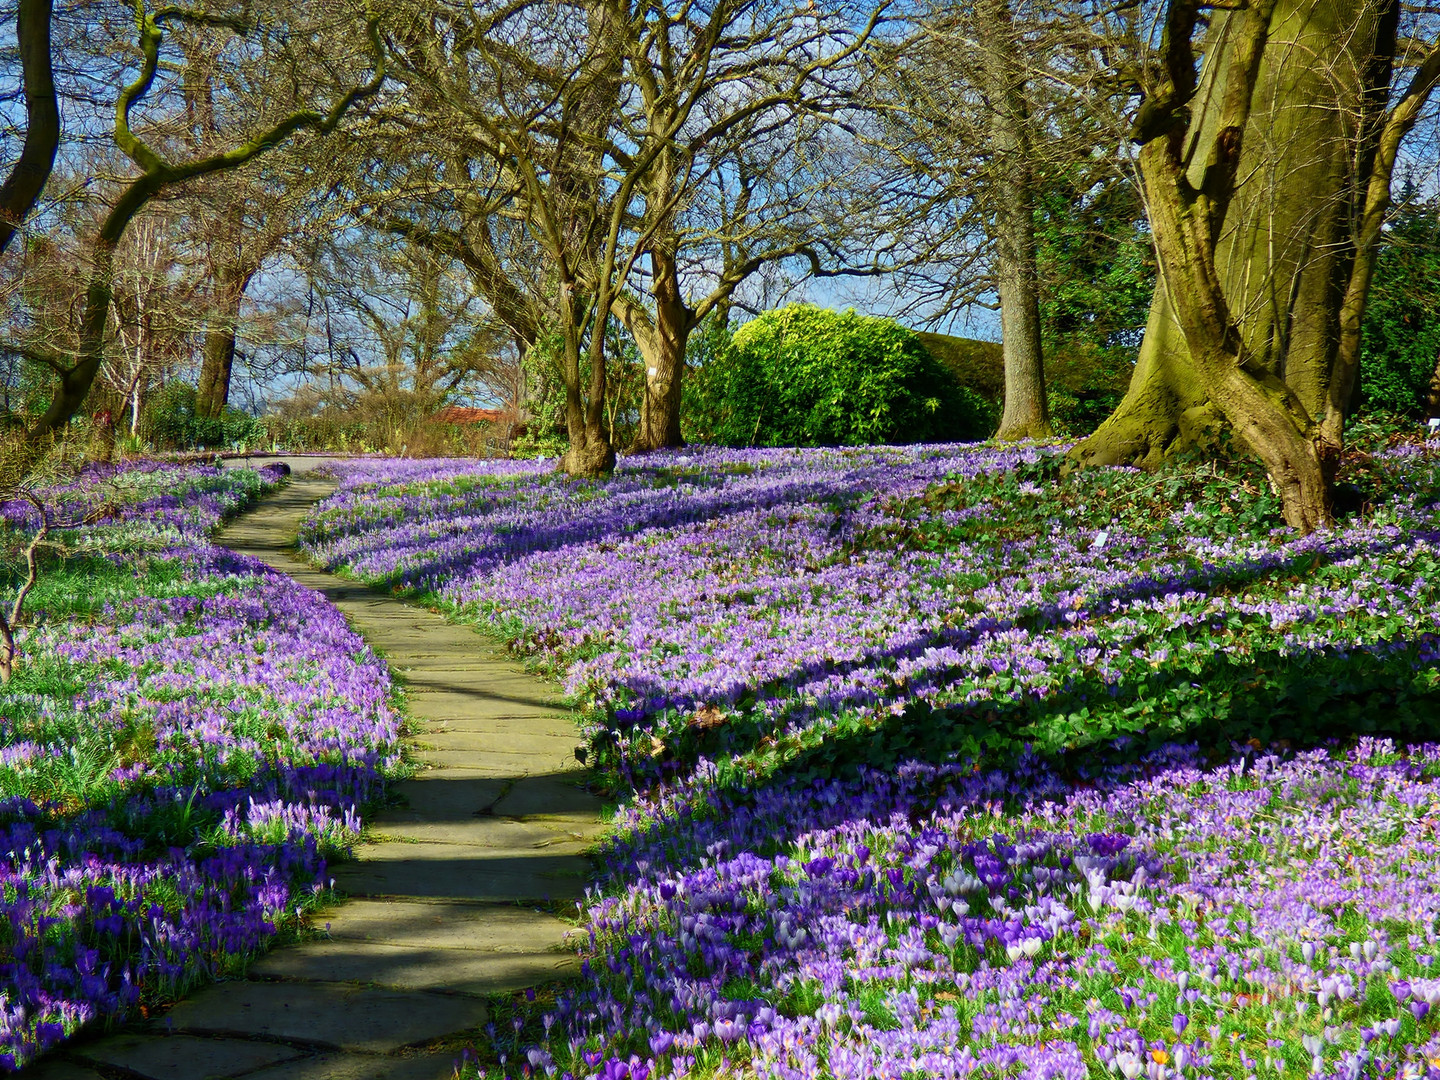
(464, 414)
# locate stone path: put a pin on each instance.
(444, 894)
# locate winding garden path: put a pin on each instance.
(445, 893)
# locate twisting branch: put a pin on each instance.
(27, 179)
(10, 620)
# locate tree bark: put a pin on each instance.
(1285, 250)
(586, 257)
(26, 181)
(218, 353)
(1261, 407)
(590, 452)
(661, 339)
(1026, 413)
(74, 383)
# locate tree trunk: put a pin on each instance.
(1027, 411)
(1432, 392)
(583, 252)
(218, 354)
(27, 178)
(218, 359)
(1262, 408)
(75, 383)
(590, 452)
(1165, 409)
(661, 340)
(1284, 253)
(593, 457)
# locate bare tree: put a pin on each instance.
(244, 217)
(10, 620)
(741, 182)
(1011, 179)
(525, 90)
(421, 185)
(313, 85)
(400, 321)
(152, 312)
(606, 153)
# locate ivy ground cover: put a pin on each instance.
(187, 739)
(937, 762)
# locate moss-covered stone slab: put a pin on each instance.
(184, 1057)
(329, 1015)
(444, 925)
(434, 1066)
(449, 872)
(488, 833)
(415, 967)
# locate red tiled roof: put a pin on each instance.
(461, 414)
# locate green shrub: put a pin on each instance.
(1084, 380)
(806, 376)
(702, 391)
(1086, 383)
(170, 421)
(1400, 339)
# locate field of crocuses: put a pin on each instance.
(186, 740)
(937, 761)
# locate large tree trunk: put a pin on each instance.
(661, 339)
(1284, 252)
(217, 362)
(1283, 384)
(1262, 408)
(585, 258)
(27, 178)
(1027, 411)
(590, 452)
(218, 353)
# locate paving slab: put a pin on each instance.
(440, 871)
(532, 743)
(455, 794)
(407, 630)
(52, 1068)
(422, 651)
(494, 825)
(444, 925)
(541, 723)
(342, 1017)
(415, 967)
(548, 797)
(440, 795)
(436, 1066)
(449, 791)
(498, 700)
(488, 834)
(429, 663)
(184, 1057)
(502, 765)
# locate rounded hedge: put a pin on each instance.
(807, 376)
